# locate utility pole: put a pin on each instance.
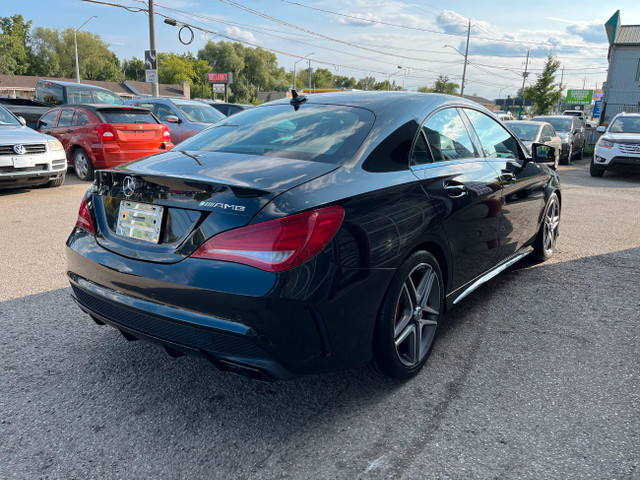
(466, 54)
(309, 76)
(524, 78)
(561, 87)
(152, 43)
(584, 82)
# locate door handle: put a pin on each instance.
(48, 132)
(69, 131)
(455, 190)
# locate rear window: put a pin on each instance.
(559, 123)
(324, 133)
(89, 95)
(127, 116)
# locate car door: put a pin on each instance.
(175, 128)
(65, 126)
(522, 181)
(465, 190)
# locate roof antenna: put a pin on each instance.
(297, 100)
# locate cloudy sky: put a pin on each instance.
(372, 37)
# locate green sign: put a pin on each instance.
(579, 97)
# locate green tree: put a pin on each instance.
(174, 69)
(545, 92)
(366, 83)
(15, 54)
(53, 54)
(443, 84)
(133, 69)
(386, 85)
(344, 82)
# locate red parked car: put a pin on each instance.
(103, 136)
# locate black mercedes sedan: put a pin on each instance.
(313, 234)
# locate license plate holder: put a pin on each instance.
(140, 221)
(23, 162)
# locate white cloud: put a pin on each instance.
(592, 32)
(241, 34)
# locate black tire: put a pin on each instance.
(56, 182)
(567, 159)
(409, 318)
(594, 170)
(82, 164)
(545, 242)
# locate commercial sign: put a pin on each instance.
(217, 87)
(579, 97)
(596, 109)
(597, 95)
(220, 77)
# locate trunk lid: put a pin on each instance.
(200, 194)
(138, 136)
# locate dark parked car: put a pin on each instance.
(103, 136)
(530, 132)
(313, 234)
(184, 117)
(56, 92)
(227, 108)
(571, 131)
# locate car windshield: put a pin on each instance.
(525, 131)
(200, 113)
(324, 133)
(123, 116)
(559, 123)
(7, 119)
(625, 125)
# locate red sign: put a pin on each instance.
(218, 78)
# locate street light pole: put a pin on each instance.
(391, 75)
(294, 69)
(75, 43)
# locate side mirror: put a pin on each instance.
(543, 153)
(22, 121)
(601, 129)
(173, 119)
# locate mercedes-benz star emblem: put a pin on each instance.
(128, 186)
(19, 149)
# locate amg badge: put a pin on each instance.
(224, 206)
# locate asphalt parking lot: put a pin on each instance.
(535, 375)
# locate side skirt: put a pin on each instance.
(462, 292)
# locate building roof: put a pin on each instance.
(126, 89)
(628, 35)
(619, 34)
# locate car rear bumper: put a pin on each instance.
(112, 155)
(261, 324)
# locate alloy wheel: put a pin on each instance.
(551, 224)
(417, 313)
(81, 165)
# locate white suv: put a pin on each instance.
(619, 145)
(28, 158)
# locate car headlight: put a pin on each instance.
(55, 145)
(605, 143)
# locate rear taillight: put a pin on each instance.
(84, 218)
(165, 133)
(106, 133)
(275, 245)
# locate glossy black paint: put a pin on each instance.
(319, 316)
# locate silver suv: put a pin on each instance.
(183, 117)
(28, 158)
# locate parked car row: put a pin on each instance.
(97, 129)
